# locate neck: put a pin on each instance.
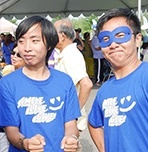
(36, 73)
(126, 70)
(68, 42)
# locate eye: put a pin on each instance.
(35, 40)
(120, 35)
(106, 38)
(20, 41)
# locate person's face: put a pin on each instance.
(16, 59)
(2, 37)
(120, 54)
(32, 48)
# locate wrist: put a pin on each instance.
(24, 144)
(19, 143)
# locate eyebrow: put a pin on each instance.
(31, 37)
(35, 36)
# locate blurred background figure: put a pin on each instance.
(7, 46)
(16, 62)
(71, 61)
(78, 40)
(144, 48)
(2, 37)
(88, 55)
(98, 60)
(145, 51)
(2, 61)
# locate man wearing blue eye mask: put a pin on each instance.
(118, 119)
(119, 35)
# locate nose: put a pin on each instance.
(113, 45)
(27, 46)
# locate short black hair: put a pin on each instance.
(131, 18)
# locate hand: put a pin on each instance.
(34, 144)
(70, 144)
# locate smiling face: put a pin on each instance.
(120, 54)
(32, 48)
(16, 59)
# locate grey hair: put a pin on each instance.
(66, 27)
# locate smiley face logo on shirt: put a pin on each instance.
(126, 104)
(56, 104)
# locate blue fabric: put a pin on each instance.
(38, 107)
(121, 34)
(145, 39)
(121, 106)
(7, 52)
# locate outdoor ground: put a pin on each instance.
(85, 139)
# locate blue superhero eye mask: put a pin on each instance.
(119, 35)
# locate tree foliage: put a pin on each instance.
(84, 23)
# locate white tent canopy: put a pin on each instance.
(6, 26)
(21, 8)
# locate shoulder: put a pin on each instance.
(144, 63)
(142, 70)
(71, 50)
(60, 77)
(13, 74)
(59, 74)
(11, 78)
(7, 69)
(95, 41)
(143, 67)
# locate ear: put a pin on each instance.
(61, 37)
(138, 39)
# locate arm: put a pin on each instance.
(85, 89)
(70, 141)
(80, 46)
(18, 140)
(97, 135)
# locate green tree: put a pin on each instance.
(84, 23)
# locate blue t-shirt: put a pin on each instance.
(6, 49)
(121, 106)
(38, 107)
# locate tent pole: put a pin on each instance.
(139, 9)
(139, 16)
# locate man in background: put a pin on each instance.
(71, 61)
(98, 60)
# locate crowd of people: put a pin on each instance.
(47, 80)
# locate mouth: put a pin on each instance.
(28, 57)
(114, 52)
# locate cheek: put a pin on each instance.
(20, 48)
(39, 47)
(104, 51)
(130, 46)
(21, 62)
